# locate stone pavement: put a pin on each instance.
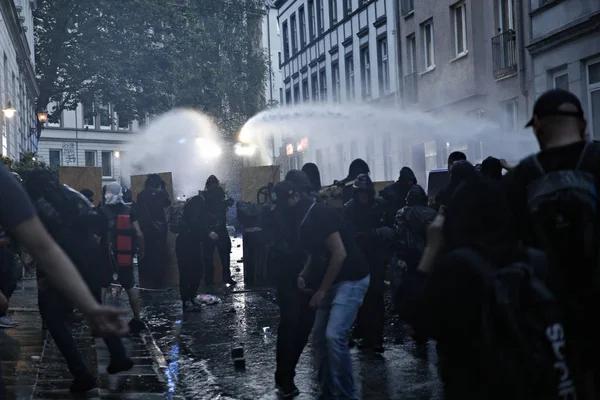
(33, 367)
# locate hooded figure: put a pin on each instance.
(491, 168)
(312, 171)
(300, 179)
(114, 194)
(357, 167)
(395, 194)
(460, 172)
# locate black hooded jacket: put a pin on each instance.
(395, 194)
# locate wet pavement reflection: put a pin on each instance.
(197, 351)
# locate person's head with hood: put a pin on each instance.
(357, 167)
(407, 178)
(286, 195)
(212, 182)
(461, 171)
(114, 194)
(454, 157)
(491, 168)
(479, 216)
(154, 182)
(416, 196)
(363, 190)
(39, 181)
(314, 176)
(300, 179)
(88, 194)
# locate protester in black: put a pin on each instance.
(460, 171)
(296, 316)
(150, 208)
(572, 238)
(339, 275)
(217, 203)
(194, 232)
(395, 194)
(491, 168)
(75, 225)
(113, 208)
(314, 176)
(364, 216)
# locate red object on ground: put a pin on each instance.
(124, 242)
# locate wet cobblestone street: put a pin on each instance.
(188, 355)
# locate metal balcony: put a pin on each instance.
(411, 88)
(504, 53)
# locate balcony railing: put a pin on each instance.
(504, 52)
(411, 88)
(407, 6)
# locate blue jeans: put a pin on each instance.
(334, 319)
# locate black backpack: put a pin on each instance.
(522, 344)
(563, 207)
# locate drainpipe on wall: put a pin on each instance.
(397, 34)
(522, 61)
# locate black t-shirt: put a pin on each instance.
(517, 180)
(320, 223)
(15, 206)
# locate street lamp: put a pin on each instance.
(42, 117)
(9, 111)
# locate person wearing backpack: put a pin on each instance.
(554, 195)
(364, 217)
(118, 246)
(410, 237)
(481, 295)
(74, 224)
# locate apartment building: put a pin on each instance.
(339, 51)
(90, 136)
(18, 87)
(565, 51)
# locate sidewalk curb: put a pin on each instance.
(161, 364)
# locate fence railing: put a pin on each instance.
(504, 54)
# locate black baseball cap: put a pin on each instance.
(556, 102)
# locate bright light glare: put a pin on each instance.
(209, 150)
(244, 150)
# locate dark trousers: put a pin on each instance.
(295, 325)
(55, 309)
(190, 263)
(223, 246)
(156, 258)
(370, 320)
(8, 273)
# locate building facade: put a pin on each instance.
(463, 57)
(90, 136)
(565, 51)
(18, 87)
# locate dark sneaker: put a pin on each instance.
(136, 326)
(288, 391)
(83, 383)
(189, 306)
(119, 366)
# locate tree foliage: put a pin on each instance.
(148, 56)
(27, 164)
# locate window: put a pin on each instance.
(365, 72)
(371, 155)
(460, 28)
(323, 85)
(319, 158)
(296, 94)
(288, 96)
(347, 7)
(315, 87)
(387, 158)
(105, 116)
(124, 123)
(350, 88)
(593, 72)
(312, 19)
(335, 79)
(411, 54)
(333, 15)
(408, 6)
(561, 80)
(428, 46)
(294, 33)
(505, 16)
(286, 43)
(511, 115)
(280, 95)
(383, 65)
(302, 18)
(321, 16)
(90, 158)
(107, 161)
(89, 115)
(305, 91)
(54, 158)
